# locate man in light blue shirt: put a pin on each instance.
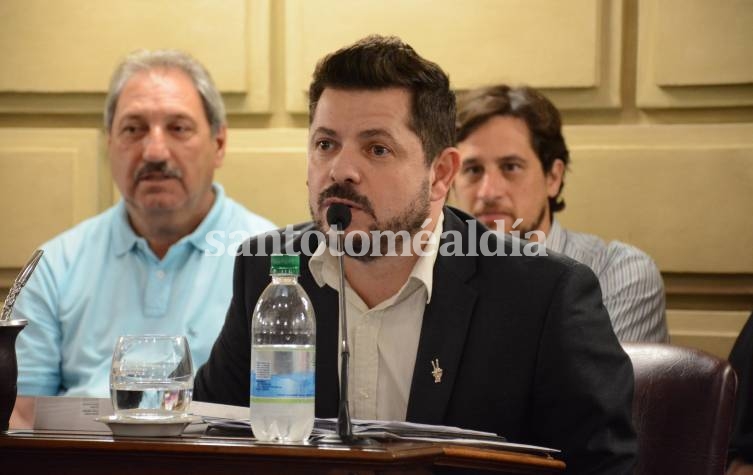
(150, 264)
(101, 280)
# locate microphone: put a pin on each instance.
(338, 215)
(338, 218)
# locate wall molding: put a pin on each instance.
(705, 291)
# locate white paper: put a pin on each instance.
(222, 411)
(70, 413)
(60, 413)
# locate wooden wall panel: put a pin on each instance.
(695, 53)
(71, 53)
(721, 55)
(265, 170)
(50, 181)
(712, 331)
(681, 193)
(69, 48)
(572, 47)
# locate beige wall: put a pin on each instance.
(657, 96)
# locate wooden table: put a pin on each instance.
(31, 452)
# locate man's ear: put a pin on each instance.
(220, 141)
(443, 172)
(554, 178)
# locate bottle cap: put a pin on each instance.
(285, 264)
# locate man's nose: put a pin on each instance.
(155, 145)
(492, 186)
(344, 167)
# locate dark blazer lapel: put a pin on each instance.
(443, 331)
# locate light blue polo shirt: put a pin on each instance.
(99, 280)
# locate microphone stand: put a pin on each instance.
(344, 425)
(338, 218)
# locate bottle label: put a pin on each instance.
(282, 373)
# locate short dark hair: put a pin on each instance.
(380, 62)
(526, 103)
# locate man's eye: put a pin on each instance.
(180, 128)
(380, 150)
(130, 129)
(324, 145)
(471, 174)
(510, 167)
(473, 170)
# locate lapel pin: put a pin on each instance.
(436, 371)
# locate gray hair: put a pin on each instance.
(144, 60)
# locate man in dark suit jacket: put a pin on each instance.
(524, 344)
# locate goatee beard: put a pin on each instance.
(410, 220)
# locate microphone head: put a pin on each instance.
(338, 215)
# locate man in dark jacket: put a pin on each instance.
(458, 327)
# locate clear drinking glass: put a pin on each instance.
(151, 377)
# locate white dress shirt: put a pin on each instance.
(383, 340)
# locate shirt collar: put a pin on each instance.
(125, 238)
(556, 238)
(324, 267)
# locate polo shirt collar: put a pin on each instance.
(125, 238)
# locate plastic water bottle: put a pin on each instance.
(283, 351)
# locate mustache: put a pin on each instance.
(493, 208)
(161, 168)
(346, 192)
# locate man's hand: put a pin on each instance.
(23, 413)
